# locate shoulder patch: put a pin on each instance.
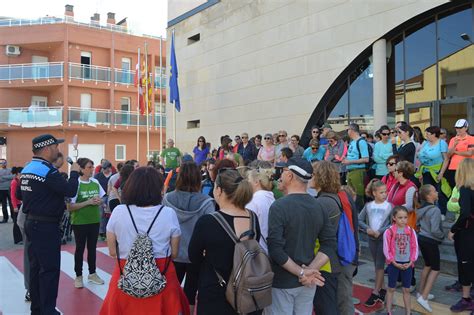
(36, 168)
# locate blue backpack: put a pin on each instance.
(346, 242)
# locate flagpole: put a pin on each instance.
(161, 93)
(147, 103)
(174, 109)
(138, 105)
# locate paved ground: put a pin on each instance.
(88, 300)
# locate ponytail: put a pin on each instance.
(373, 185)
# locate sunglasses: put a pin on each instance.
(200, 141)
(281, 135)
(391, 164)
(314, 148)
(385, 134)
(266, 138)
(315, 131)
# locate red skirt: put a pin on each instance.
(171, 301)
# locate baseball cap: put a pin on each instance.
(187, 158)
(106, 164)
(299, 166)
(45, 140)
(326, 125)
(461, 123)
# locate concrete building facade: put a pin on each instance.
(263, 66)
(64, 77)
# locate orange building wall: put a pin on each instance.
(100, 98)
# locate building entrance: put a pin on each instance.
(443, 113)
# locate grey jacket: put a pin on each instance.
(6, 177)
(428, 218)
(189, 207)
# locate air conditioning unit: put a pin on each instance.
(11, 50)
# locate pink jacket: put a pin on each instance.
(389, 244)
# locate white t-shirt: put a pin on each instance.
(102, 193)
(260, 204)
(165, 227)
(378, 213)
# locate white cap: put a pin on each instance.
(461, 123)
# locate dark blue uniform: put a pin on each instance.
(43, 191)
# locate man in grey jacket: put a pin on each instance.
(295, 222)
(6, 177)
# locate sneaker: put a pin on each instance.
(455, 287)
(424, 303)
(27, 296)
(430, 296)
(412, 288)
(382, 294)
(372, 300)
(462, 305)
(94, 278)
(78, 283)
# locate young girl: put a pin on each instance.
(374, 219)
(430, 236)
(400, 248)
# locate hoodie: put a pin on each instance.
(189, 207)
(428, 218)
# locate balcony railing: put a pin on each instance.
(32, 117)
(157, 121)
(32, 71)
(125, 118)
(160, 82)
(68, 20)
(125, 77)
(85, 72)
(90, 117)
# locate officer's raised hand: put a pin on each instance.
(75, 167)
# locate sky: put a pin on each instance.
(143, 16)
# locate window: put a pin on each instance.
(193, 124)
(125, 104)
(194, 39)
(120, 152)
(86, 101)
(39, 101)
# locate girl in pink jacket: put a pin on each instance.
(400, 248)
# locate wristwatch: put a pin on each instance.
(301, 273)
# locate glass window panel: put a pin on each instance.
(419, 117)
(361, 109)
(420, 64)
(339, 112)
(450, 113)
(456, 55)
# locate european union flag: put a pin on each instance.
(174, 90)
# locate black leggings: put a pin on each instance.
(85, 233)
(192, 275)
(464, 247)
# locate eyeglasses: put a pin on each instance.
(244, 137)
(200, 141)
(391, 164)
(315, 131)
(267, 138)
(385, 134)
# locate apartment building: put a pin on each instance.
(64, 77)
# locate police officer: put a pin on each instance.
(43, 191)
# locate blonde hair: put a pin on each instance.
(372, 186)
(238, 189)
(465, 174)
(263, 176)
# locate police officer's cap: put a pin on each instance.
(44, 141)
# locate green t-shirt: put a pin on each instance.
(171, 157)
(85, 191)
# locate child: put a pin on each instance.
(374, 219)
(430, 236)
(400, 248)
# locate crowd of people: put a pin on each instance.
(397, 186)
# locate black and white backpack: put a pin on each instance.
(141, 277)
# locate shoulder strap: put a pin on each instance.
(338, 201)
(223, 223)
(133, 221)
(358, 147)
(154, 219)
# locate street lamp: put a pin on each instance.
(466, 37)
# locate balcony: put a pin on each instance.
(32, 117)
(125, 77)
(83, 72)
(90, 117)
(32, 71)
(126, 118)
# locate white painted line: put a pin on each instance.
(67, 266)
(104, 250)
(12, 290)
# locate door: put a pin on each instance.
(125, 110)
(86, 59)
(126, 66)
(419, 114)
(39, 101)
(39, 70)
(451, 110)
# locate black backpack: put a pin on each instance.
(369, 165)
